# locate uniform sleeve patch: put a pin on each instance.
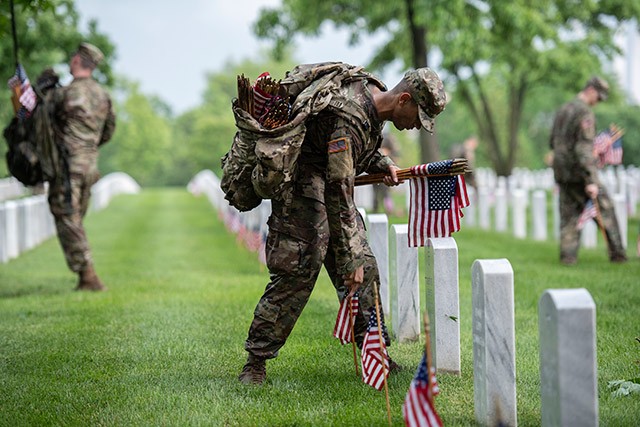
(338, 145)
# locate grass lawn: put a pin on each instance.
(164, 345)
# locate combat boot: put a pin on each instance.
(254, 371)
(394, 368)
(88, 280)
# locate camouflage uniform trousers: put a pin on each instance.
(298, 245)
(68, 203)
(572, 202)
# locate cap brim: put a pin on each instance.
(426, 121)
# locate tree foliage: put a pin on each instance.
(494, 52)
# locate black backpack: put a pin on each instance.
(22, 156)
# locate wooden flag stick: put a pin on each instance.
(427, 349)
(458, 167)
(599, 221)
(382, 352)
(352, 321)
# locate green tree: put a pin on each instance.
(494, 52)
(142, 143)
(47, 31)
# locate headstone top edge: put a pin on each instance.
(569, 298)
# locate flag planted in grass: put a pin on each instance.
(436, 202)
(375, 359)
(344, 323)
(418, 408)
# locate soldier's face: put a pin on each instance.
(406, 114)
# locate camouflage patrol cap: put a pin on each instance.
(427, 91)
(90, 52)
(600, 85)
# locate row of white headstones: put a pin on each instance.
(26, 221)
(503, 204)
(566, 319)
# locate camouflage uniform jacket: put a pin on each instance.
(84, 120)
(572, 143)
(338, 147)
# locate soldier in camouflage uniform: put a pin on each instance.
(83, 121)
(320, 225)
(576, 174)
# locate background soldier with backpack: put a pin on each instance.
(83, 120)
(317, 223)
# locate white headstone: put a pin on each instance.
(405, 288)
(471, 212)
(484, 208)
(589, 235)
(378, 231)
(501, 209)
(568, 364)
(494, 355)
(539, 215)
(443, 303)
(519, 201)
(13, 248)
(4, 256)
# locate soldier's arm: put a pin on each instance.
(109, 125)
(341, 209)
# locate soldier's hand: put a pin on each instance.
(354, 279)
(391, 179)
(591, 190)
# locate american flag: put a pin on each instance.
(344, 326)
(20, 85)
(588, 213)
(375, 359)
(418, 409)
(436, 202)
(606, 151)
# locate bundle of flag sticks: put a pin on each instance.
(263, 101)
(458, 167)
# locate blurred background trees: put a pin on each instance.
(507, 66)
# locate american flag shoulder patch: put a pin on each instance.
(338, 145)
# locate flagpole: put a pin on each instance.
(427, 349)
(382, 353)
(352, 320)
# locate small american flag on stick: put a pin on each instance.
(418, 409)
(343, 327)
(375, 359)
(436, 202)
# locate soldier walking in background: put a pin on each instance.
(576, 173)
(83, 120)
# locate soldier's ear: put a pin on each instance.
(404, 98)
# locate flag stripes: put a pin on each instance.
(344, 326)
(375, 359)
(436, 203)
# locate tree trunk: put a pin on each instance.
(429, 149)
